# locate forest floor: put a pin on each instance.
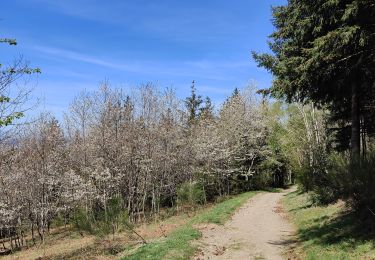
(258, 230)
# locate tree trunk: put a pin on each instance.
(32, 232)
(363, 137)
(356, 129)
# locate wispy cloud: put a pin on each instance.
(200, 68)
(67, 54)
(209, 64)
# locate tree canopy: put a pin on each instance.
(323, 51)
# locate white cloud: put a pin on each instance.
(67, 54)
(214, 70)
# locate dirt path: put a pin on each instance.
(259, 230)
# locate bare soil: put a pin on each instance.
(258, 230)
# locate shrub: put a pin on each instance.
(117, 217)
(191, 193)
(323, 177)
(339, 178)
(83, 220)
(359, 185)
(327, 178)
(262, 180)
(105, 221)
(304, 178)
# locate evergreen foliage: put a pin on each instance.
(324, 52)
(193, 104)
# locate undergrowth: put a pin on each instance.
(328, 232)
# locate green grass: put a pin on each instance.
(328, 232)
(177, 245)
(222, 211)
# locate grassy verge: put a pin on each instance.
(176, 245)
(328, 232)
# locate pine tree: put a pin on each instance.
(193, 104)
(324, 52)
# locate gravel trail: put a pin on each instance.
(258, 230)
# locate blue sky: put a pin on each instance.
(79, 43)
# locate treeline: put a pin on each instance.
(120, 158)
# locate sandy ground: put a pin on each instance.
(259, 230)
